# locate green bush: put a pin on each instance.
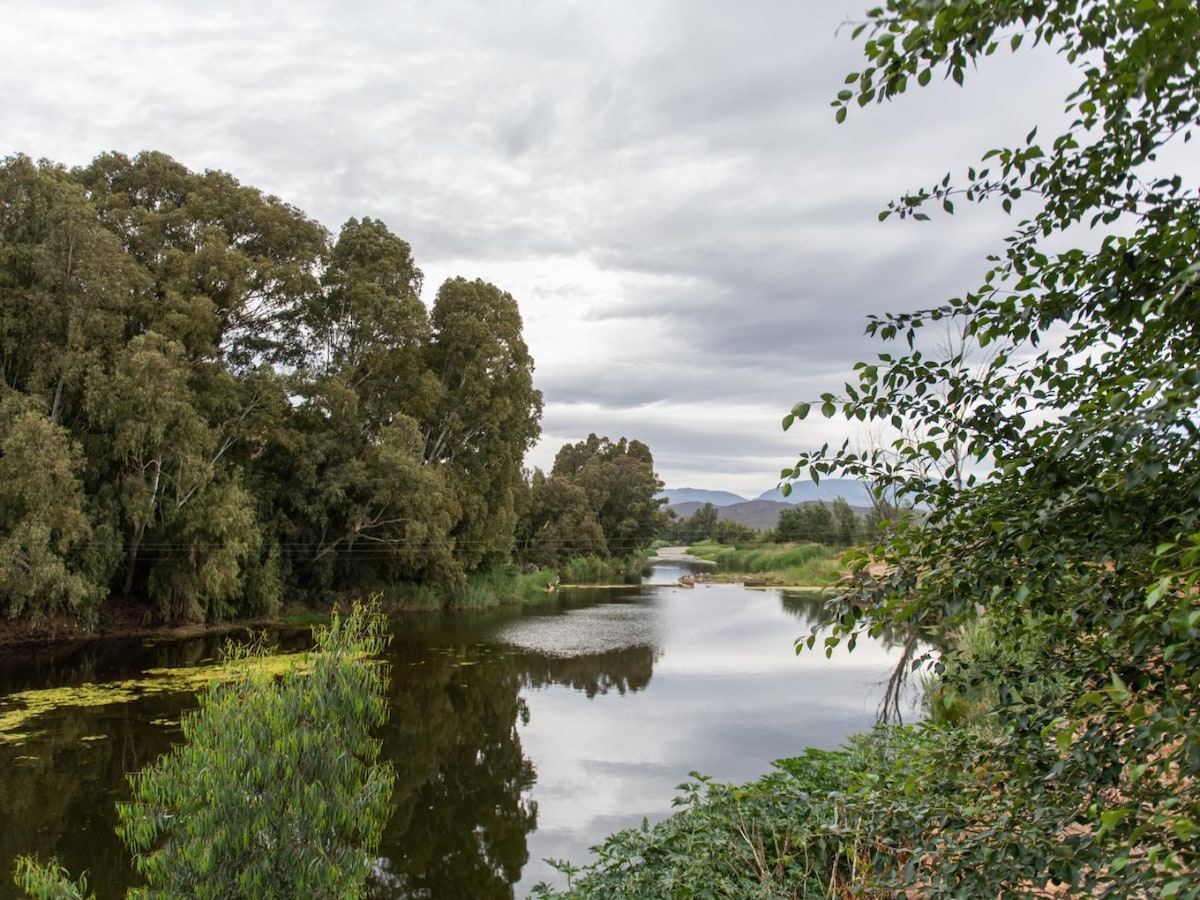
(277, 791)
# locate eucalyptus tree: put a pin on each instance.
(558, 523)
(355, 514)
(1076, 534)
(621, 486)
(369, 326)
(179, 402)
(43, 518)
(487, 414)
(66, 285)
(229, 264)
(248, 407)
(359, 507)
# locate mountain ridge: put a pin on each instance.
(853, 492)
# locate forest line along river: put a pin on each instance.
(517, 734)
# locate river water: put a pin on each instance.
(516, 735)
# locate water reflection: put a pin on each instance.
(516, 735)
(462, 809)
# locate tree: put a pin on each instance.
(66, 284)
(228, 264)
(358, 513)
(810, 523)
(42, 519)
(249, 410)
(360, 509)
(487, 413)
(622, 489)
(733, 533)
(700, 525)
(845, 522)
(558, 524)
(369, 327)
(1075, 528)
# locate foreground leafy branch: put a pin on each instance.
(1074, 530)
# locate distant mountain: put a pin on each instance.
(757, 514)
(698, 496)
(804, 491)
(763, 512)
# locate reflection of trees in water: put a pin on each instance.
(461, 808)
(111, 659)
(626, 669)
(462, 811)
(807, 606)
(57, 792)
(461, 814)
(810, 608)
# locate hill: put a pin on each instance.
(676, 496)
(757, 514)
(853, 492)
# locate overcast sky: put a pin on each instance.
(660, 183)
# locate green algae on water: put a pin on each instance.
(19, 709)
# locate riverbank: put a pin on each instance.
(782, 566)
(507, 586)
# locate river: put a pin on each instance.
(516, 735)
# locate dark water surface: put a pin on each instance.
(516, 735)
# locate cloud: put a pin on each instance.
(693, 242)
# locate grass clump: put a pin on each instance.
(595, 570)
(788, 564)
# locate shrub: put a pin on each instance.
(277, 792)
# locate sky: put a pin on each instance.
(693, 242)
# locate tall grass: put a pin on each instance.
(792, 564)
(593, 570)
(502, 586)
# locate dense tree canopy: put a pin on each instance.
(600, 499)
(208, 404)
(1074, 530)
(487, 411)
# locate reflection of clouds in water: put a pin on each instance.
(728, 695)
(579, 632)
(611, 768)
(672, 572)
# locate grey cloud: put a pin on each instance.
(685, 151)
